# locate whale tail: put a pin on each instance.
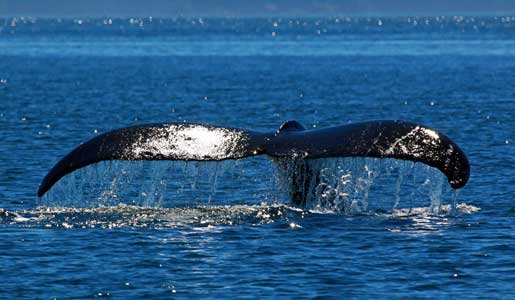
(185, 141)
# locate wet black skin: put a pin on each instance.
(292, 142)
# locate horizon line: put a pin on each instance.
(258, 16)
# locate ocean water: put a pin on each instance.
(176, 230)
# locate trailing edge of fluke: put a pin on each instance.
(198, 142)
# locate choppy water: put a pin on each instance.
(166, 230)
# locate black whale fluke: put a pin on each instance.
(184, 141)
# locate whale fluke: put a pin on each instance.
(174, 141)
(185, 141)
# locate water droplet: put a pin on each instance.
(293, 225)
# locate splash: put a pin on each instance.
(360, 185)
(150, 217)
(216, 217)
(335, 185)
(165, 184)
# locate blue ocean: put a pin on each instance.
(227, 229)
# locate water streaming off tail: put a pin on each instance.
(355, 185)
(344, 185)
(166, 184)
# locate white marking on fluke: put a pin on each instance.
(188, 142)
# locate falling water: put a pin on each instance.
(343, 185)
(164, 184)
(358, 185)
(454, 199)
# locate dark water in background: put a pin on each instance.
(64, 81)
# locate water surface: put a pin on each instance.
(174, 230)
